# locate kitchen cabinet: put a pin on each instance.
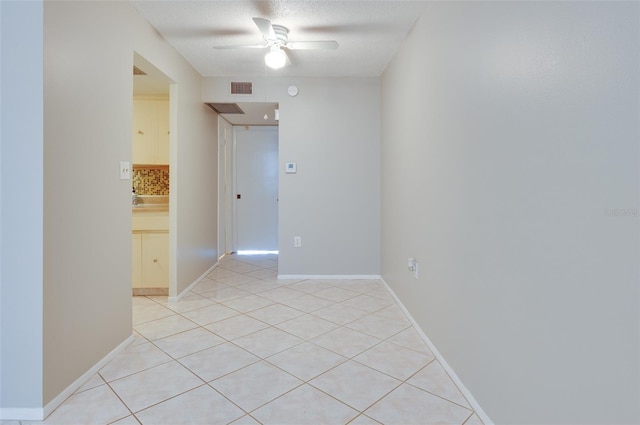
(150, 131)
(150, 252)
(150, 260)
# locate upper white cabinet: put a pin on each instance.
(151, 131)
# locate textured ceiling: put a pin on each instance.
(368, 32)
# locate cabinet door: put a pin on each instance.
(145, 132)
(155, 260)
(162, 156)
(136, 261)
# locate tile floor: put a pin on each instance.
(246, 348)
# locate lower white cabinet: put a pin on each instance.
(150, 260)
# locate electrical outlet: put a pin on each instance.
(297, 241)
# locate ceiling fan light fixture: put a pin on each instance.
(276, 58)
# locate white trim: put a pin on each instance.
(454, 377)
(329, 276)
(21, 414)
(193, 285)
(60, 398)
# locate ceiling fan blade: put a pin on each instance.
(243, 46)
(265, 27)
(313, 45)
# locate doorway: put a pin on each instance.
(256, 188)
(150, 180)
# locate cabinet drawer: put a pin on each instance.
(150, 221)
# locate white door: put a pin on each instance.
(256, 188)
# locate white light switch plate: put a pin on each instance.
(125, 170)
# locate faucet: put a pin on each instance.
(134, 197)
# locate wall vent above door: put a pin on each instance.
(138, 71)
(225, 108)
(238, 87)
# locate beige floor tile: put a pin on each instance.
(268, 342)
(202, 405)
(363, 285)
(132, 360)
(306, 361)
(434, 378)
(367, 303)
(164, 327)
(264, 274)
(95, 406)
(258, 286)
(207, 315)
(394, 360)
(281, 294)
(364, 420)
(304, 405)
(382, 293)
(410, 405)
(307, 326)
(248, 303)
(148, 311)
(189, 342)
(336, 294)
(95, 381)
(129, 420)
(207, 285)
(236, 327)
(255, 385)
(312, 286)
(149, 387)
(354, 384)
(474, 420)
(275, 313)
(346, 342)
(409, 338)
(188, 303)
(225, 294)
(378, 326)
(245, 420)
(307, 303)
(217, 361)
(340, 314)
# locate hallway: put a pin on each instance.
(246, 348)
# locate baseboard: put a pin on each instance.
(454, 377)
(194, 284)
(60, 398)
(24, 414)
(328, 276)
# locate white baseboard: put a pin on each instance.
(60, 398)
(328, 276)
(24, 414)
(194, 284)
(454, 377)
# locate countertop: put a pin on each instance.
(151, 203)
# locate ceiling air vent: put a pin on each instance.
(138, 71)
(241, 87)
(226, 108)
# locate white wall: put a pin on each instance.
(510, 148)
(69, 270)
(21, 207)
(331, 130)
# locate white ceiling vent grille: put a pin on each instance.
(226, 108)
(241, 87)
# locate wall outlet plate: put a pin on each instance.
(290, 168)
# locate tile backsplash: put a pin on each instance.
(151, 180)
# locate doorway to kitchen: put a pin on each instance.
(150, 178)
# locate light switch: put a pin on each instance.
(125, 170)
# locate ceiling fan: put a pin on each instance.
(277, 39)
